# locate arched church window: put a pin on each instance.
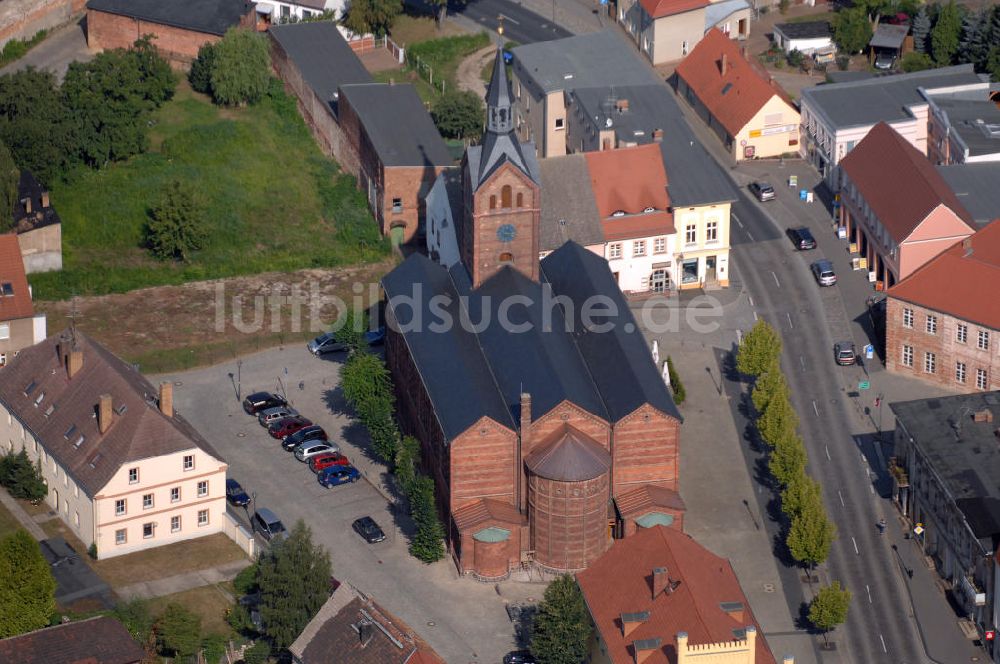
(493, 202)
(520, 199)
(505, 196)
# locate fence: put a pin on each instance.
(368, 43)
(236, 532)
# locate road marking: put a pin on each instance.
(842, 504)
(884, 649)
(508, 18)
(776, 282)
(855, 546)
(827, 447)
(750, 298)
(749, 235)
(738, 222)
(869, 593)
(816, 410)
(790, 323)
(755, 316)
(802, 361)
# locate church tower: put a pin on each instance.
(502, 196)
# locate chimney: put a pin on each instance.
(104, 413)
(984, 415)
(657, 135)
(644, 648)
(967, 245)
(723, 64)
(682, 646)
(661, 580)
(787, 659)
(74, 362)
(45, 199)
(751, 638)
(632, 620)
(365, 632)
(167, 398)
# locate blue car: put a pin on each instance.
(235, 494)
(335, 475)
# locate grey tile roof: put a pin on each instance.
(572, 456)
(807, 30)
(881, 98)
(398, 124)
(974, 118)
(976, 186)
(569, 211)
(498, 149)
(889, 36)
(647, 106)
(962, 452)
(582, 61)
(693, 176)
(140, 431)
(321, 55)
(212, 17)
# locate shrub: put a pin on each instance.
(241, 70)
(200, 75)
(257, 653)
(458, 114)
(915, 61)
(178, 631)
(22, 478)
(175, 227)
(675, 382)
(246, 581)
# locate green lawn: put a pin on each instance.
(8, 524)
(435, 59)
(271, 202)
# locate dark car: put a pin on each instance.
(368, 529)
(519, 657)
(762, 190)
(288, 426)
(324, 461)
(337, 475)
(845, 353)
(235, 494)
(802, 238)
(304, 435)
(268, 524)
(258, 401)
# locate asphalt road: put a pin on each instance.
(520, 25)
(810, 320)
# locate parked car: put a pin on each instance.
(324, 461)
(823, 271)
(268, 524)
(802, 238)
(235, 494)
(266, 417)
(287, 426)
(519, 657)
(368, 529)
(885, 60)
(327, 343)
(306, 451)
(258, 401)
(845, 353)
(762, 190)
(304, 435)
(336, 475)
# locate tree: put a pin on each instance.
(22, 478)
(800, 495)
(10, 175)
(135, 616)
(294, 579)
(350, 329)
(200, 76)
(778, 420)
(178, 632)
(788, 459)
(915, 61)
(428, 540)
(157, 80)
(35, 123)
(458, 114)
(257, 653)
(27, 589)
(562, 628)
(759, 350)
(945, 34)
(371, 16)
(992, 32)
(993, 63)
(241, 73)
(246, 581)
(852, 29)
(921, 30)
(405, 463)
(676, 386)
(769, 385)
(810, 536)
(174, 228)
(973, 47)
(829, 607)
(442, 10)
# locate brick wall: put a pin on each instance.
(21, 19)
(482, 464)
(41, 248)
(179, 46)
(645, 450)
(945, 346)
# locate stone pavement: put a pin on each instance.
(64, 45)
(23, 518)
(181, 582)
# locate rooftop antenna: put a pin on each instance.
(73, 315)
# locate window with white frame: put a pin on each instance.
(133, 475)
(960, 372)
(4, 330)
(615, 250)
(984, 340)
(712, 231)
(961, 333)
(175, 524)
(120, 507)
(931, 325)
(189, 462)
(121, 536)
(690, 234)
(203, 488)
(908, 318)
(660, 245)
(639, 248)
(980, 379)
(930, 362)
(147, 530)
(175, 494)
(202, 517)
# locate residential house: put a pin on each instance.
(97, 640)
(278, 12)
(659, 597)
(178, 30)
(569, 206)
(20, 326)
(897, 210)
(836, 116)
(38, 227)
(944, 480)
(737, 99)
(630, 187)
(667, 30)
(964, 125)
(350, 626)
(975, 185)
(943, 321)
(807, 38)
(522, 455)
(125, 472)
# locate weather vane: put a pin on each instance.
(500, 24)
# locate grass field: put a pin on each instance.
(210, 603)
(436, 58)
(271, 201)
(8, 524)
(168, 560)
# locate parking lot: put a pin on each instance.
(462, 619)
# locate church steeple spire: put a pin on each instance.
(499, 109)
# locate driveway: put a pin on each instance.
(462, 619)
(65, 45)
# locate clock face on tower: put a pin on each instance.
(506, 233)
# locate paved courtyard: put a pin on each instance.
(465, 621)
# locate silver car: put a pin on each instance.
(325, 343)
(266, 417)
(306, 451)
(823, 271)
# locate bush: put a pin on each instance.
(676, 386)
(458, 114)
(795, 58)
(914, 61)
(246, 581)
(22, 478)
(241, 70)
(200, 75)
(175, 227)
(257, 653)
(178, 632)
(843, 62)
(213, 647)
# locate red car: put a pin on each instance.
(287, 426)
(318, 463)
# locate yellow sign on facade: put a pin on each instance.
(755, 133)
(863, 264)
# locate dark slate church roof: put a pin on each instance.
(469, 374)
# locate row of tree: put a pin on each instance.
(809, 532)
(368, 388)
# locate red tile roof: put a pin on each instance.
(898, 182)
(733, 97)
(621, 582)
(661, 8)
(99, 640)
(960, 282)
(18, 305)
(487, 511)
(646, 498)
(631, 180)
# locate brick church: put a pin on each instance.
(548, 433)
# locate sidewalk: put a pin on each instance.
(23, 518)
(182, 582)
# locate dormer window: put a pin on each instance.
(618, 213)
(30, 388)
(69, 432)
(7, 289)
(39, 399)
